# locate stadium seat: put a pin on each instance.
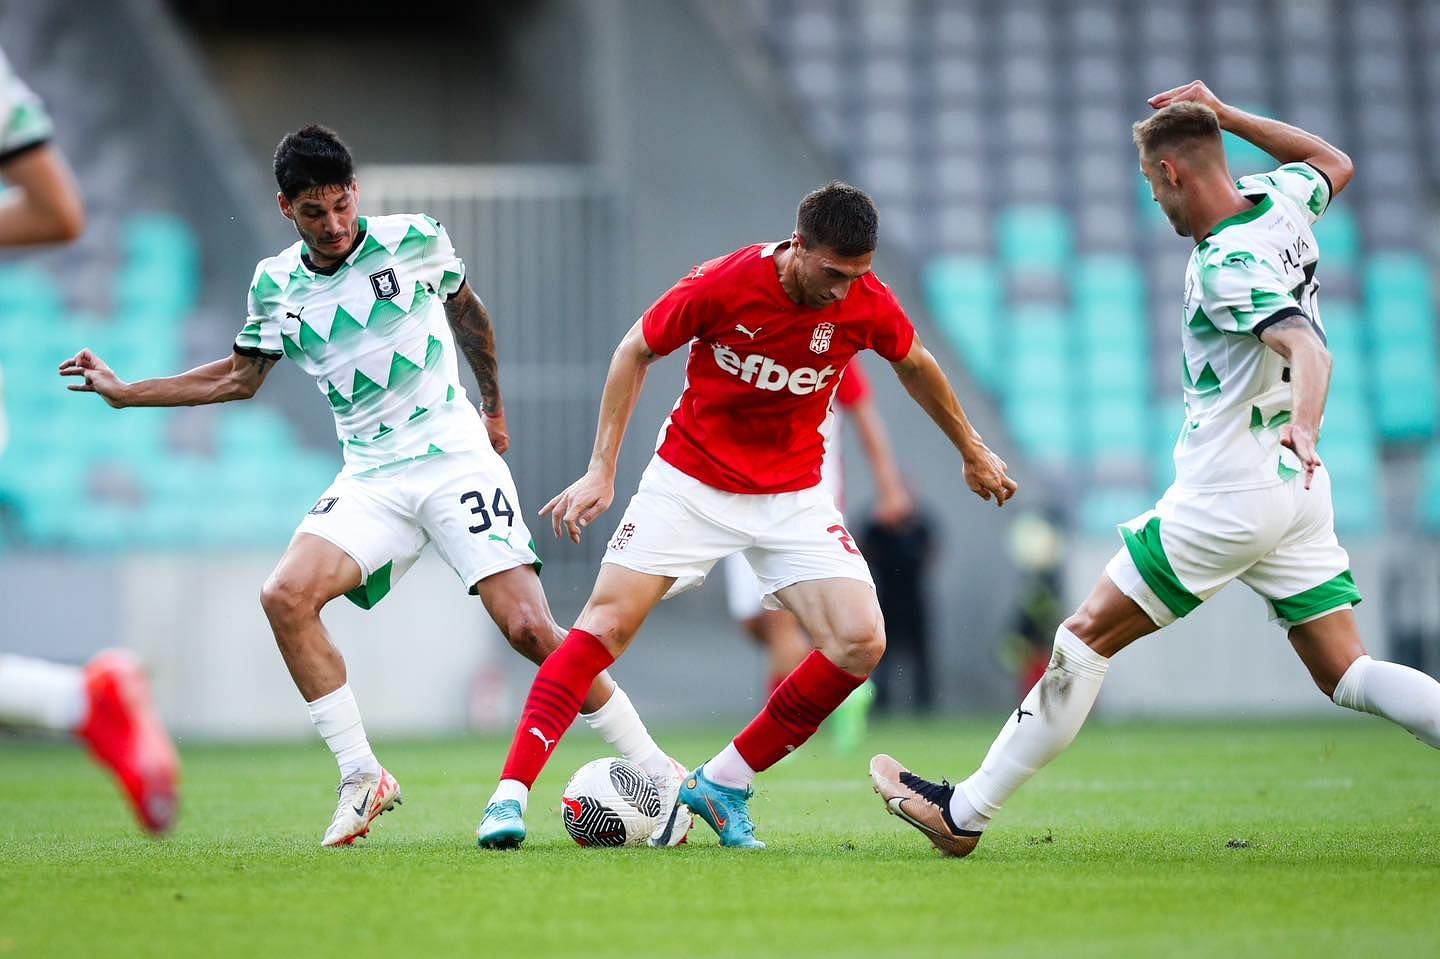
(1339, 237)
(1109, 281)
(1116, 430)
(1105, 507)
(1429, 505)
(964, 295)
(1035, 239)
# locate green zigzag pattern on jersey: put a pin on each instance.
(403, 372)
(1207, 382)
(1258, 421)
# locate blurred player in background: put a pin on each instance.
(373, 307)
(777, 631)
(1251, 500)
(107, 703)
(770, 329)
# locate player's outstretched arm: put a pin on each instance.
(592, 494)
(475, 334)
(1282, 141)
(236, 377)
(44, 205)
(926, 383)
(892, 501)
(1294, 338)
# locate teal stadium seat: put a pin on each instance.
(1345, 336)
(1116, 431)
(1036, 239)
(1037, 386)
(1430, 490)
(1112, 281)
(1102, 508)
(1339, 237)
(1400, 306)
(964, 295)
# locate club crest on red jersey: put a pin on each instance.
(820, 339)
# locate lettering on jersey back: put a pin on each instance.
(765, 374)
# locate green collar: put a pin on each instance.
(1244, 216)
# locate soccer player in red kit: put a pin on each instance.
(770, 329)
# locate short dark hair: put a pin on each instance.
(1178, 125)
(313, 156)
(839, 217)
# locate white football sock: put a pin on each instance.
(730, 769)
(620, 725)
(1405, 696)
(337, 717)
(34, 692)
(511, 789)
(1039, 730)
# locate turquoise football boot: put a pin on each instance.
(725, 809)
(503, 826)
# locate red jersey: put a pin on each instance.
(755, 413)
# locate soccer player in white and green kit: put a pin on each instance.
(1251, 500)
(373, 308)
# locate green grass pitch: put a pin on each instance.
(1261, 839)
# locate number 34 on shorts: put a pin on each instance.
(464, 503)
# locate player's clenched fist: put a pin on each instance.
(581, 502)
(99, 378)
(986, 475)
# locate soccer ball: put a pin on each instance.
(610, 802)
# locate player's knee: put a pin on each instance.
(286, 600)
(531, 633)
(862, 649)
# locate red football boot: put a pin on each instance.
(124, 733)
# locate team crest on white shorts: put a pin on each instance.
(325, 505)
(820, 339)
(385, 284)
(623, 535)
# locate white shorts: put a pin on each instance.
(465, 503)
(677, 526)
(1279, 541)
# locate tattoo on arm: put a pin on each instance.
(1296, 322)
(252, 368)
(475, 334)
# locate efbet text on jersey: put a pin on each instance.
(764, 373)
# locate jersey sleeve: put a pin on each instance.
(1302, 184)
(677, 317)
(23, 121)
(441, 258)
(854, 387)
(891, 334)
(1241, 293)
(260, 336)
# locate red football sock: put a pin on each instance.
(798, 707)
(554, 701)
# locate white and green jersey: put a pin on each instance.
(373, 333)
(1253, 269)
(23, 120)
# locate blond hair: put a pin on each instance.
(1177, 127)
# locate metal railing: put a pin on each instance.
(544, 249)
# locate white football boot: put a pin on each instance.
(675, 818)
(362, 800)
